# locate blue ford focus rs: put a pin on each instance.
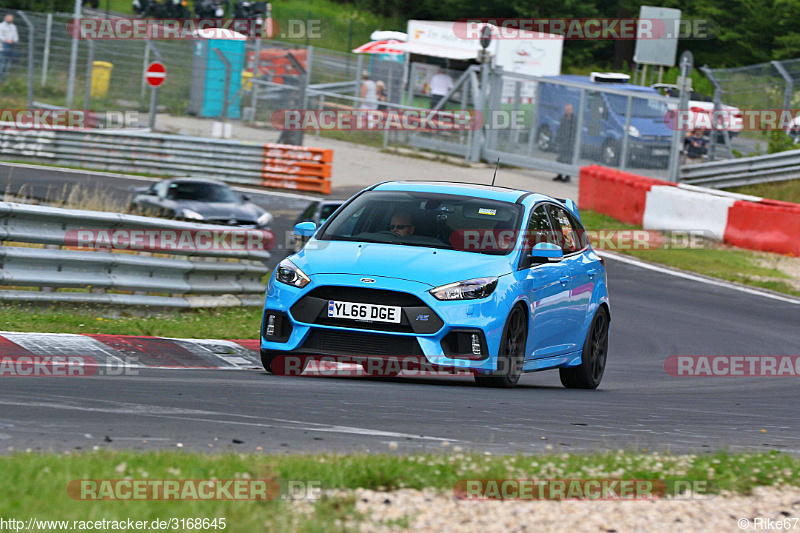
(486, 279)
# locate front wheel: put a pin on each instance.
(512, 353)
(588, 374)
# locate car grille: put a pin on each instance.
(658, 138)
(232, 222)
(335, 342)
(367, 296)
(416, 317)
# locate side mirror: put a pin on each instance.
(546, 252)
(151, 192)
(245, 198)
(305, 229)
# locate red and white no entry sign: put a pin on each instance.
(155, 74)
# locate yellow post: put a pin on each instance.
(101, 76)
(246, 80)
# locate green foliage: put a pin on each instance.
(60, 6)
(778, 141)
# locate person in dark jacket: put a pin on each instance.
(565, 139)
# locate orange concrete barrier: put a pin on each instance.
(297, 167)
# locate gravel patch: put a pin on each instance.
(434, 511)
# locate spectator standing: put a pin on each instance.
(695, 146)
(369, 92)
(441, 84)
(565, 140)
(380, 89)
(8, 40)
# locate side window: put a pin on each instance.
(161, 189)
(539, 229)
(565, 234)
(581, 236)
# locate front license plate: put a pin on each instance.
(371, 312)
(660, 152)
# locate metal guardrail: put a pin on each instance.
(147, 276)
(744, 171)
(266, 165)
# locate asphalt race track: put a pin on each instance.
(654, 315)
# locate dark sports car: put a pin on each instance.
(198, 200)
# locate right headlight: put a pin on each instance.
(470, 289)
(289, 273)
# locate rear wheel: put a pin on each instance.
(544, 139)
(610, 155)
(588, 374)
(512, 353)
(282, 364)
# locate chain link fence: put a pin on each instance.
(522, 120)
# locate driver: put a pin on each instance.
(402, 224)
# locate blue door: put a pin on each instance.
(547, 287)
(582, 272)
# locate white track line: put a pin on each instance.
(700, 279)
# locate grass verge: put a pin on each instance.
(716, 260)
(35, 484)
(222, 323)
(786, 191)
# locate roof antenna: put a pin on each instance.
(495, 170)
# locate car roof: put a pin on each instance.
(196, 180)
(478, 190)
(586, 80)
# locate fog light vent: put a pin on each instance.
(476, 344)
(270, 325)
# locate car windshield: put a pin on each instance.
(642, 107)
(425, 219)
(200, 191)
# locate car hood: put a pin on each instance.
(219, 210)
(651, 126)
(431, 266)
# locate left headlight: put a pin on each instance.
(288, 273)
(192, 215)
(264, 219)
(470, 289)
(633, 131)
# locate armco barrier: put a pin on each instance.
(265, 165)
(745, 221)
(117, 271)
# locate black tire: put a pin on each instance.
(544, 139)
(589, 373)
(512, 353)
(610, 154)
(276, 363)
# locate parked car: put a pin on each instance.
(702, 103)
(491, 280)
(317, 212)
(605, 118)
(200, 200)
